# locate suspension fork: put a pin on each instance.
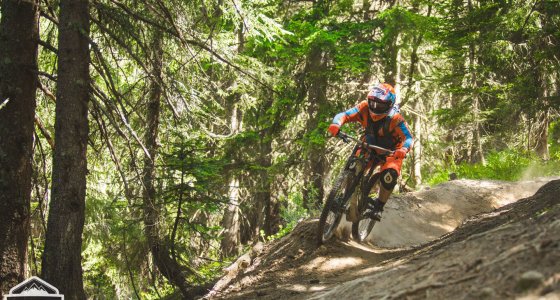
(357, 167)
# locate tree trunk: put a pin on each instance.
(414, 88)
(317, 97)
(230, 222)
(542, 118)
(545, 84)
(63, 245)
(477, 143)
(541, 147)
(417, 150)
(231, 236)
(263, 214)
(170, 268)
(391, 68)
(453, 138)
(477, 154)
(263, 193)
(315, 69)
(18, 82)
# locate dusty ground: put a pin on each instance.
(417, 251)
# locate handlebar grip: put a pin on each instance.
(343, 136)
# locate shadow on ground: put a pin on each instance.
(488, 256)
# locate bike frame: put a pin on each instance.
(347, 182)
(365, 177)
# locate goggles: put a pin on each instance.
(378, 106)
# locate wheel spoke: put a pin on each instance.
(335, 205)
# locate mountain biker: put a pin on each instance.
(385, 127)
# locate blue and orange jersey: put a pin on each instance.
(402, 136)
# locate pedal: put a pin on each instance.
(374, 215)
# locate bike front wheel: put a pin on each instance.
(334, 207)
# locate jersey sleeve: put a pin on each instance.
(354, 114)
(401, 132)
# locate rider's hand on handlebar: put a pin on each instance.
(334, 129)
(400, 153)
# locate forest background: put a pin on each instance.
(145, 144)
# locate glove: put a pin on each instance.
(333, 129)
(400, 153)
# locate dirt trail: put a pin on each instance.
(413, 251)
(415, 218)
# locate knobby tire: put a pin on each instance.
(362, 228)
(334, 207)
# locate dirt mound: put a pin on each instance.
(510, 253)
(485, 257)
(416, 218)
(291, 265)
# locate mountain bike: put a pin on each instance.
(351, 189)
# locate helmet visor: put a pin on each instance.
(378, 106)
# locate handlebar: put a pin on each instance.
(345, 137)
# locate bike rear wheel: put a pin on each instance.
(334, 206)
(363, 227)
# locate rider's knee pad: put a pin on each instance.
(389, 179)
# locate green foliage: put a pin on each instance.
(292, 212)
(212, 269)
(355, 60)
(554, 140)
(190, 175)
(509, 165)
(514, 58)
(316, 138)
(402, 19)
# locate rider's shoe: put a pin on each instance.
(374, 209)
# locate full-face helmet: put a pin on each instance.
(381, 99)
